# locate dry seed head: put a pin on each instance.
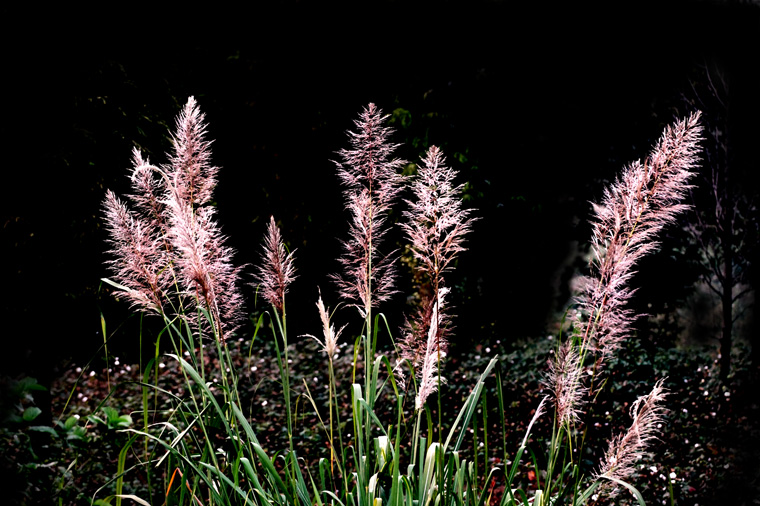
(277, 270)
(626, 449)
(371, 180)
(646, 197)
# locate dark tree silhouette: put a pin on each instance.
(724, 225)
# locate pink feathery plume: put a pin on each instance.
(435, 344)
(139, 249)
(190, 170)
(149, 191)
(371, 181)
(538, 414)
(415, 335)
(645, 198)
(437, 222)
(626, 449)
(136, 252)
(277, 270)
(436, 226)
(202, 261)
(172, 239)
(329, 342)
(204, 264)
(566, 384)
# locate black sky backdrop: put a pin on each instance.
(538, 106)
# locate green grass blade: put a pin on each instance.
(202, 385)
(301, 489)
(255, 480)
(120, 468)
(335, 497)
(469, 408)
(229, 482)
(272, 473)
(630, 487)
(244, 423)
(395, 485)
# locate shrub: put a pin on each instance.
(170, 259)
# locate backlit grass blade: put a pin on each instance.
(469, 408)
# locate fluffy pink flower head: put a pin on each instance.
(149, 188)
(566, 383)
(137, 256)
(190, 169)
(371, 180)
(436, 226)
(202, 260)
(434, 351)
(437, 223)
(171, 247)
(277, 270)
(626, 449)
(645, 198)
(204, 264)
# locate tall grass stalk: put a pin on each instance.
(369, 174)
(644, 199)
(169, 259)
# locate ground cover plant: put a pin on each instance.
(695, 445)
(194, 437)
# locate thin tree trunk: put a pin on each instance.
(728, 283)
(755, 354)
(726, 337)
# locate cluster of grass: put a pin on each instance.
(276, 420)
(707, 443)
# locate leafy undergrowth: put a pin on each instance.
(706, 454)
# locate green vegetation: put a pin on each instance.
(220, 416)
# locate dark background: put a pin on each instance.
(538, 107)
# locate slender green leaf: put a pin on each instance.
(272, 473)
